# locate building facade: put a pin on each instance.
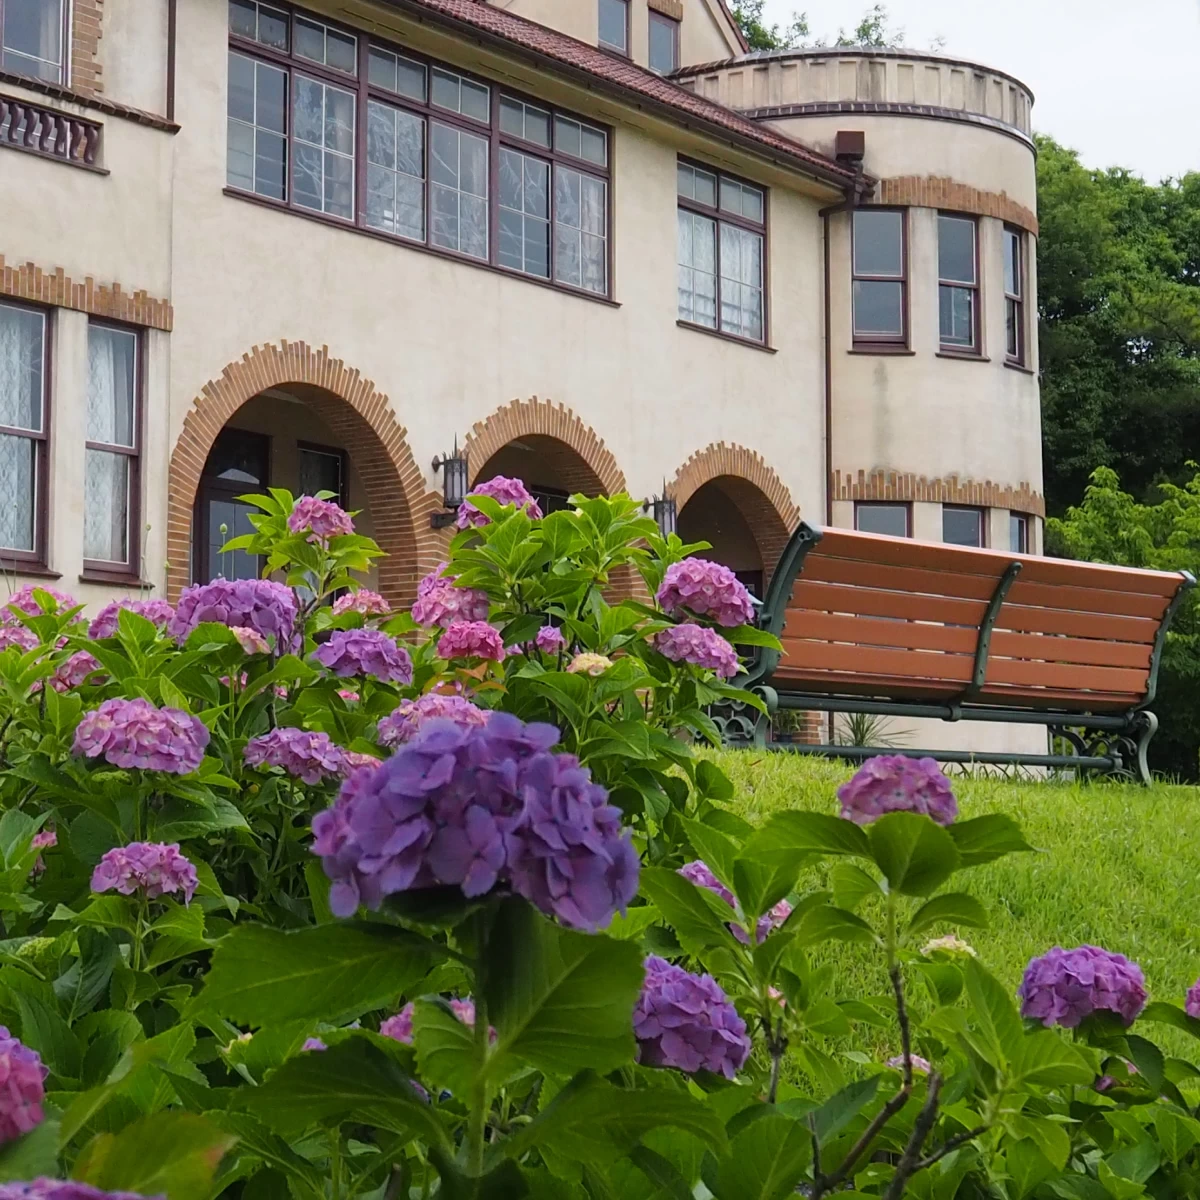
(595, 243)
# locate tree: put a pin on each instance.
(872, 30)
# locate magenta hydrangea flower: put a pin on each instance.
(699, 645)
(474, 807)
(365, 601)
(75, 672)
(1192, 1003)
(894, 783)
(701, 875)
(22, 1087)
(44, 839)
(440, 603)
(133, 733)
(686, 1021)
(23, 600)
(504, 491)
(400, 1027)
(63, 1189)
(20, 636)
(320, 519)
(550, 640)
(707, 589)
(471, 639)
(1061, 987)
(267, 607)
(405, 721)
(919, 1064)
(106, 621)
(152, 866)
(352, 652)
(308, 756)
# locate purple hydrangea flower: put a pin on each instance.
(44, 839)
(365, 652)
(707, 589)
(314, 1043)
(22, 1088)
(894, 783)
(75, 672)
(473, 807)
(1064, 986)
(503, 491)
(310, 757)
(550, 640)
(23, 600)
(570, 856)
(1192, 1003)
(133, 733)
(701, 875)
(919, 1064)
(106, 621)
(686, 1021)
(699, 645)
(152, 866)
(320, 519)
(404, 722)
(365, 601)
(400, 1027)
(440, 603)
(267, 607)
(356, 760)
(20, 636)
(471, 639)
(63, 1189)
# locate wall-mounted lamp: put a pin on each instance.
(664, 511)
(454, 486)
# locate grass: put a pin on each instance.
(1117, 866)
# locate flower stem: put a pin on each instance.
(139, 934)
(480, 1097)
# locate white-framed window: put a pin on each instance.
(892, 519)
(35, 37)
(614, 25)
(24, 431)
(1014, 295)
(879, 256)
(958, 283)
(663, 43)
(962, 526)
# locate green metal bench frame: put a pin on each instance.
(1108, 743)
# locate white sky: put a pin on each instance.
(1117, 80)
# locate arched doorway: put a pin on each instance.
(288, 416)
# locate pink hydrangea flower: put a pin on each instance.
(262, 604)
(75, 672)
(348, 696)
(440, 603)
(320, 519)
(44, 839)
(250, 640)
(133, 733)
(106, 621)
(1192, 1004)
(701, 875)
(700, 646)
(22, 1087)
(365, 601)
(314, 1043)
(23, 600)
(707, 589)
(921, 1065)
(400, 1027)
(310, 757)
(471, 639)
(351, 652)
(404, 722)
(152, 866)
(504, 491)
(895, 783)
(20, 636)
(356, 760)
(550, 640)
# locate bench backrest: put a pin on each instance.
(862, 614)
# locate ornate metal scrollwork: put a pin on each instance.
(743, 724)
(1126, 748)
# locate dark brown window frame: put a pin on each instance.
(721, 216)
(980, 512)
(906, 505)
(208, 484)
(365, 92)
(338, 452)
(883, 343)
(627, 50)
(1024, 521)
(64, 66)
(102, 567)
(1018, 359)
(13, 559)
(975, 350)
(653, 15)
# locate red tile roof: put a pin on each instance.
(624, 79)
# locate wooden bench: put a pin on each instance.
(896, 627)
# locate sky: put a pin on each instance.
(1117, 80)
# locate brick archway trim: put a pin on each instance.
(377, 441)
(526, 418)
(720, 458)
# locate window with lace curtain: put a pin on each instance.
(23, 431)
(33, 38)
(110, 482)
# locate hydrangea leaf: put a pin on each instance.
(839, 1110)
(766, 1160)
(35, 1154)
(256, 1139)
(811, 832)
(698, 917)
(915, 854)
(987, 838)
(851, 885)
(1028, 1167)
(953, 908)
(445, 1048)
(993, 1012)
(560, 1001)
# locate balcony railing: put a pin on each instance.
(25, 125)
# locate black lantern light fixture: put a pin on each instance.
(454, 486)
(664, 511)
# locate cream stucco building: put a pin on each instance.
(595, 242)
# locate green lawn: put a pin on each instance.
(1118, 866)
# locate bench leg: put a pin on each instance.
(741, 725)
(1145, 726)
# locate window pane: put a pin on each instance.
(594, 145)
(664, 44)
(580, 230)
(256, 153)
(957, 316)
(458, 195)
(22, 362)
(396, 73)
(460, 95)
(32, 36)
(879, 243)
(270, 97)
(741, 200)
(741, 282)
(878, 309)
(524, 121)
(243, 18)
(962, 526)
(395, 171)
(697, 258)
(889, 519)
(112, 386)
(1012, 262)
(613, 24)
(524, 213)
(1012, 328)
(1018, 534)
(264, 24)
(106, 506)
(17, 490)
(956, 249)
(320, 471)
(698, 185)
(323, 128)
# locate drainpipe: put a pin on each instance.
(172, 22)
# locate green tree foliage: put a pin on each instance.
(1112, 526)
(873, 30)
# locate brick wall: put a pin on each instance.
(27, 281)
(894, 485)
(935, 191)
(87, 20)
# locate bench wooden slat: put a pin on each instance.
(874, 603)
(903, 635)
(1080, 599)
(1082, 679)
(871, 660)
(821, 569)
(1088, 651)
(1133, 630)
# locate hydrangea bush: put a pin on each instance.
(304, 894)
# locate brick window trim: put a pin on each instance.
(109, 301)
(904, 487)
(936, 191)
(88, 100)
(87, 28)
(668, 8)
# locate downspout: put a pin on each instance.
(172, 20)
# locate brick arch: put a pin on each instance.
(355, 410)
(544, 418)
(751, 485)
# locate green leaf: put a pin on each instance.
(699, 918)
(445, 1048)
(1043, 1059)
(660, 1171)
(1137, 1162)
(355, 1081)
(810, 832)
(42, 1027)
(172, 1153)
(255, 1138)
(1028, 1167)
(504, 1183)
(715, 849)
(33, 1155)
(984, 839)
(1117, 1187)
(1160, 1012)
(712, 783)
(915, 854)
(993, 1011)
(1177, 1133)
(952, 908)
(766, 1160)
(749, 635)
(851, 885)
(83, 983)
(560, 1001)
(825, 922)
(1147, 1057)
(838, 1111)
(261, 975)
(178, 931)
(760, 886)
